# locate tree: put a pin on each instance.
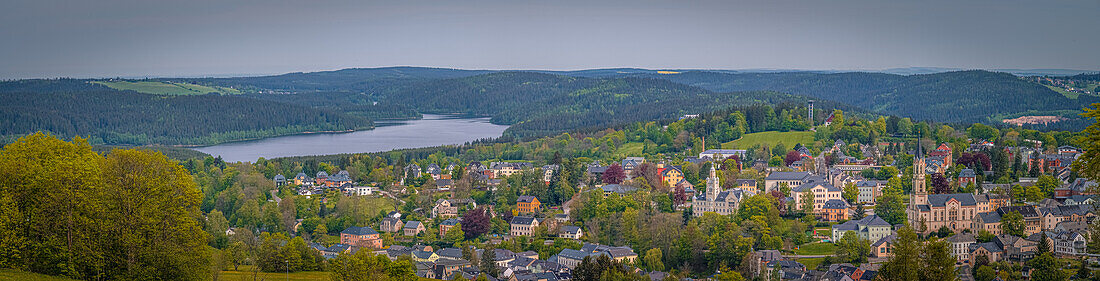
(905, 264)
(808, 202)
(237, 253)
(984, 273)
(1044, 245)
(1046, 184)
(1088, 164)
(851, 192)
(455, 235)
(757, 205)
(860, 212)
(852, 249)
(653, 260)
(488, 262)
(475, 223)
(940, 185)
(1046, 268)
(791, 157)
(365, 266)
(890, 205)
(727, 274)
(613, 175)
(937, 260)
(1083, 271)
(1012, 223)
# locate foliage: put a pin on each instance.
(475, 222)
(852, 249)
(1088, 165)
(79, 198)
(365, 266)
(1012, 223)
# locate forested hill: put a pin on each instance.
(348, 80)
(74, 107)
(962, 96)
(538, 103)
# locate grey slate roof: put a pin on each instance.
(525, 199)
(356, 230)
(990, 217)
(523, 220)
(836, 204)
(412, 224)
(787, 176)
(939, 200)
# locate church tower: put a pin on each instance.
(920, 189)
(713, 188)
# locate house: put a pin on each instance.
(447, 267)
(835, 210)
(1079, 200)
(960, 245)
(444, 209)
(446, 225)
(609, 189)
(792, 179)
(869, 190)
(412, 228)
(523, 226)
(571, 258)
(631, 163)
(1052, 216)
(1081, 186)
(967, 177)
(444, 184)
(412, 171)
(320, 178)
(336, 249)
(422, 253)
(671, 175)
(884, 247)
(870, 228)
(746, 185)
(302, 178)
(571, 232)
(434, 170)
(363, 190)
(505, 169)
(527, 204)
(548, 172)
(280, 180)
(1068, 243)
(363, 237)
(391, 224)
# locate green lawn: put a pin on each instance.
(631, 149)
(11, 274)
(167, 88)
(810, 263)
(771, 138)
(244, 273)
(1068, 94)
(814, 249)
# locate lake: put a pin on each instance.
(432, 130)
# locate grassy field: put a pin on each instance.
(631, 149)
(167, 88)
(10, 274)
(245, 273)
(770, 139)
(810, 263)
(814, 249)
(1068, 94)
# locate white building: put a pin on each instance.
(717, 201)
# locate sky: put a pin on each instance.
(109, 38)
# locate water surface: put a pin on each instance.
(433, 130)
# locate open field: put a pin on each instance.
(167, 88)
(814, 249)
(810, 263)
(631, 148)
(11, 274)
(771, 138)
(245, 273)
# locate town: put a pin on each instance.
(830, 212)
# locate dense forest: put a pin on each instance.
(962, 96)
(72, 107)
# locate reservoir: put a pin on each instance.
(432, 130)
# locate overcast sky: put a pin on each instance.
(107, 38)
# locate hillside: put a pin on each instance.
(539, 104)
(349, 80)
(73, 107)
(962, 96)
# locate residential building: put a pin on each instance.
(671, 175)
(722, 153)
(391, 224)
(835, 210)
(444, 209)
(884, 247)
(280, 180)
(747, 185)
(364, 237)
(571, 232)
(446, 225)
(792, 179)
(527, 204)
(412, 228)
(870, 228)
(821, 191)
(960, 245)
(869, 190)
(523, 226)
(505, 169)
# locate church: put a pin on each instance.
(930, 212)
(717, 201)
